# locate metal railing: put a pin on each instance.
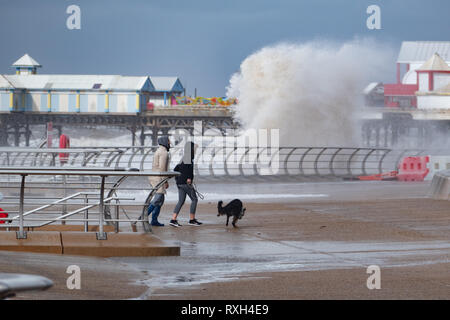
(228, 161)
(50, 179)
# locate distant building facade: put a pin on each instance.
(425, 63)
(433, 79)
(27, 91)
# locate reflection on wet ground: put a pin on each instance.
(210, 262)
(208, 254)
(211, 253)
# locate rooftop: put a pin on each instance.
(421, 51)
(25, 80)
(26, 61)
(167, 84)
(435, 63)
(76, 82)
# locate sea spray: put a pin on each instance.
(309, 91)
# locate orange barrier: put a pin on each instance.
(413, 168)
(381, 176)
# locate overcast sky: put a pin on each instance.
(201, 41)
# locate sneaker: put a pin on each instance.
(174, 223)
(194, 222)
(157, 224)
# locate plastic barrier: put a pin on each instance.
(413, 168)
(3, 214)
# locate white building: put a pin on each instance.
(413, 54)
(433, 79)
(417, 62)
(27, 91)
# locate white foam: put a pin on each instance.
(309, 91)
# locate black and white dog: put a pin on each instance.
(235, 208)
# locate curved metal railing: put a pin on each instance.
(47, 190)
(227, 161)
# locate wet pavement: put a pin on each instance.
(214, 253)
(324, 226)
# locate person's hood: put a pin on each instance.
(164, 141)
(189, 152)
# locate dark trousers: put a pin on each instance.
(183, 190)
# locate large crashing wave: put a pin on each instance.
(309, 91)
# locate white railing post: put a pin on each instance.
(86, 213)
(21, 234)
(101, 235)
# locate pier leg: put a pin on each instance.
(154, 136)
(142, 136)
(386, 134)
(3, 133)
(27, 135)
(420, 139)
(377, 136)
(369, 135)
(16, 135)
(133, 136)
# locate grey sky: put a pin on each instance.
(201, 41)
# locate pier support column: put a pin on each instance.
(154, 136)
(142, 136)
(3, 131)
(367, 130)
(133, 136)
(27, 135)
(420, 135)
(16, 135)
(386, 134)
(394, 135)
(377, 136)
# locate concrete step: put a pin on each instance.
(125, 244)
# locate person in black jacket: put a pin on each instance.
(184, 184)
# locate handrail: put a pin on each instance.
(48, 205)
(293, 161)
(100, 172)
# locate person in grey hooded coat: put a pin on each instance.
(160, 164)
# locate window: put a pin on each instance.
(96, 86)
